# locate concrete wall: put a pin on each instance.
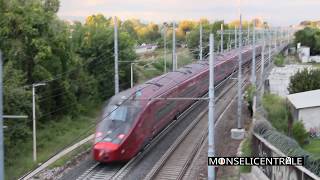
(310, 118)
(279, 78)
(314, 59)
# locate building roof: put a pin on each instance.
(305, 99)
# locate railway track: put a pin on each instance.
(98, 170)
(174, 164)
(176, 161)
(181, 147)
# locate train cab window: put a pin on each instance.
(117, 119)
(118, 113)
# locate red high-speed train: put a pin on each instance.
(130, 119)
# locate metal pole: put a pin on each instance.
(275, 40)
(240, 76)
(221, 48)
(248, 37)
(262, 62)
(288, 36)
(34, 123)
(131, 74)
(229, 42)
(269, 44)
(211, 117)
(1, 124)
(263, 54)
(165, 49)
(235, 37)
(253, 69)
(173, 47)
(200, 43)
(116, 73)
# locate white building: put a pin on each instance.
(305, 57)
(305, 107)
(279, 78)
(304, 54)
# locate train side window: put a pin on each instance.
(205, 81)
(188, 92)
(167, 108)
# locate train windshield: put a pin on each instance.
(117, 118)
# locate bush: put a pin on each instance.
(299, 133)
(277, 112)
(279, 61)
(249, 94)
(304, 81)
(246, 152)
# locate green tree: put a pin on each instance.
(17, 101)
(310, 37)
(305, 80)
(193, 37)
(95, 45)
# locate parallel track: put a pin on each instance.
(174, 164)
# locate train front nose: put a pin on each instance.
(105, 151)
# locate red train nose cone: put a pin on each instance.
(104, 151)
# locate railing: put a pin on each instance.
(262, 148)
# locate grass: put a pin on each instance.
(246, 152)
(291, 59)
(71, 155)
(279, 60)
(315, 65)
(313, 147)
(277, 112)
(50, 139)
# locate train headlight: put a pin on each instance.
(121, 136)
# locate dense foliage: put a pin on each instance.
(277, 112)
(279, 60)
(75, 61)
(305, 80)
(249, 95)
(299, 133)
(310, 36)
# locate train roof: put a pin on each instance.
(160, 84)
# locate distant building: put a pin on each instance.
(304, 55)
(279, 78)
(305, 107)
(146, 48)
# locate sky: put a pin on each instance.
(276, 12)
